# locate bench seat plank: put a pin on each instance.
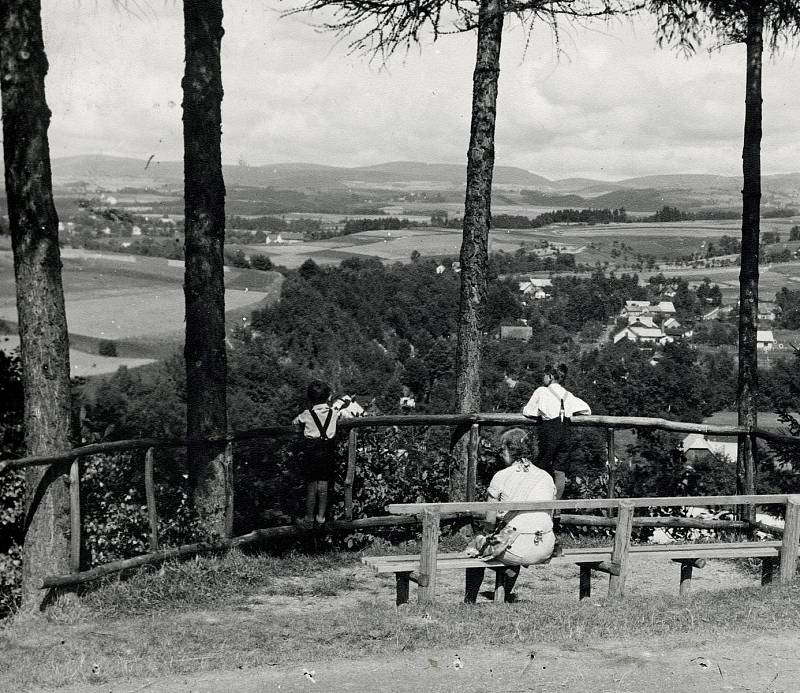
(385, 565)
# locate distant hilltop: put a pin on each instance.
(113, 173)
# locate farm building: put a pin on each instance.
(642, 335)
(765, 340)
(717, 313)
(284, 237)
(641, 321)
(674, 329)
(535, 288)
(523, 332)
(634, 308)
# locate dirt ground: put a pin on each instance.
(768, 663)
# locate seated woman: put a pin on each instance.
(519, 538)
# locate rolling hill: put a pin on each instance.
(642, 193)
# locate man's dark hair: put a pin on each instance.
(318, 392)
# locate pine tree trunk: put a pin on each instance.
(748, 275)
(206, 363)
(477, 220)
(44, 343)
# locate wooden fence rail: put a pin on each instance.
(471, 422)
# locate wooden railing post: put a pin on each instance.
(472, 461)
(75, 515)
(352, 443)
(227, 464)
(620, 552)
(427, 561)
(791, 536)
(150, 495)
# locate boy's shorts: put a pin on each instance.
(318, 459)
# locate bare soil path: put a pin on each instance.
(766, 664)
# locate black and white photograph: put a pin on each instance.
(448, 346)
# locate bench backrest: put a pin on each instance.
(591, 503)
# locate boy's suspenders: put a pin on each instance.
(322, 428)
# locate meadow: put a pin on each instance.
(595, 244)
(136, 302)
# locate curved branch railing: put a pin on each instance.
(470, 423)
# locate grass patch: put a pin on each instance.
(240, 610)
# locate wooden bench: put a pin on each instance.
(612, 560)
(406, 567)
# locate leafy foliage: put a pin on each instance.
(12, 487)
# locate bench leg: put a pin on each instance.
(499, 585)
(767, 570)
(585, 588)
(686, 578)
(402, 587)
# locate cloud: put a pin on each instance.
(612, 106)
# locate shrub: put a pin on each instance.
(261, 262)
(114, 509)
(107, 348)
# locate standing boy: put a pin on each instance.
(319, 449)
(553, 405)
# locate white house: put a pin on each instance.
(664, 307)
(440, 268)
(765, 340)
(633, 308)
(641, 321)
(535, 288)
(642, 335)
(136, 231)
(646, 308)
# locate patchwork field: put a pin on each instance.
(82, 363)
(591, 244)
(136, 302)
(771, 279)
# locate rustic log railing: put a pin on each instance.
(471, 422)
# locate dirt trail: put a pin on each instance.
(764, 664)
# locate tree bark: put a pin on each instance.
(748, 275)
(477, 221)
(44, 343)
(204, 191)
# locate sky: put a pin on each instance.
(612, 105)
